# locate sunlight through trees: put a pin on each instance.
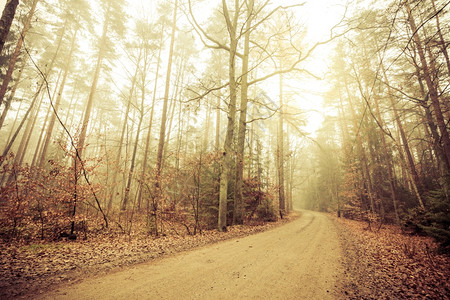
(191, 114)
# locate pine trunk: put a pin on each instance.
(15, 55)
(441, 37)
(55, 106)
(162, 133)
(90, 102)
(16, 133)
(122, 136)
(387, 161)
(7, 18)
(364, 163)
(431, 88)
(11, 95)
(133, 159)
(150, 125)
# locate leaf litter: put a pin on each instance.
(388, 264)
(30, 269)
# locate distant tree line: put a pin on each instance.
(384, 155)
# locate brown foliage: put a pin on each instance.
(391, 265)
(27, 269)
(39, 204)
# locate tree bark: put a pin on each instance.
(7, 18)
(11, 95)
(13, 138)
(412, 166)
(238, 213)
(441, 37)
(175, 95)
(98, 66)
(15, 55)
(57, 103)
(48, 72)
(179, 137)
(122, 136)
(217, 135)
(431, 88)
(280, 152)
(162, 133)
(141, 117)
(150, 125)
(227, 159)
(364, 163)
(387, 161)
(23, 146)
(133, 158)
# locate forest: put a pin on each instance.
(188, 115)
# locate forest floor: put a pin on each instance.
(316, 256)
(387, 264)
(299, 260)
(31, 269)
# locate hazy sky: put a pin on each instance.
(319, 16)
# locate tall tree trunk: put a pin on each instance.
(364, 163)
(122, 136)
(288, 175)
(387, 161)
(146, 62)
(15, 55)
(48, 72)
(16, 133)
(7, 18)
(217, 135)
(207, 132)
(186, 136)
(156, 194)
(251, 145)
(179, 137)
(16, 118)
(57, 103)
(444, 103)
(441, 37)
(436, 138)
(175, 95)
(437, 145)
(431, 88)
(133, 157)
(412, 167)
(128, 145)
(38, 148)
(280, 152)
(343, 123)
(11, 95)
(162, 133)
(150, 125)
(238, 213)
(23, 147)
(227, 159)
(98, 66)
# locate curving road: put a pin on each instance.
(299, 260)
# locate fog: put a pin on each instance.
(210, 114)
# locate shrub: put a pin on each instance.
(433, 221)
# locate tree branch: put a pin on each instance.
(203, 34)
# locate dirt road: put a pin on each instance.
(299, 260)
